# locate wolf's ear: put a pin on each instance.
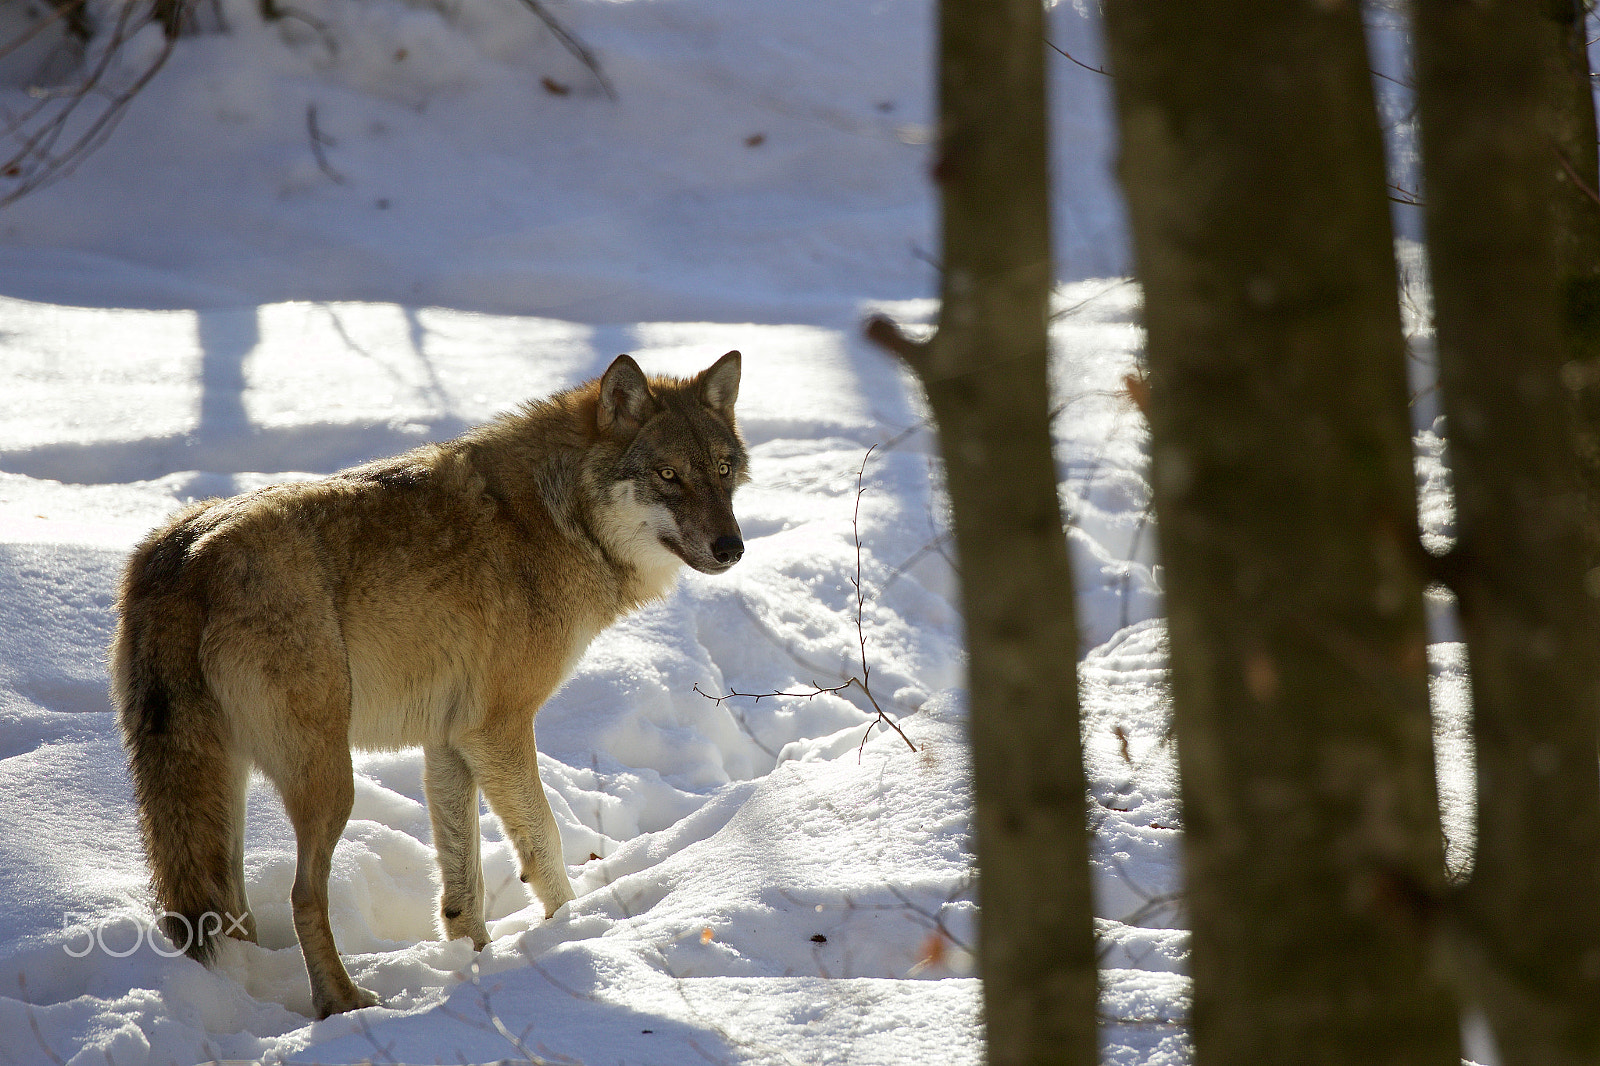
(626, 402)
(719, 384)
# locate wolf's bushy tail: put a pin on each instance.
(183, 766)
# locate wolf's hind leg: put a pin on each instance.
(284, 674)
(452, 791)
(301, 743)
(318, 797)
(507, 766)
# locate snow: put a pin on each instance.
(203, 307)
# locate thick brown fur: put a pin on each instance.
(435, 599)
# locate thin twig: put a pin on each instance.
(318, 139)
(35, 161)
(572, 44)
(499, 1026)
(800, 660)
(936, 919)
(56, 14)
(864, 680)
(1081, 304)
(33, 1023)
(1572, 172)
(934, 546)
(906, 434)
(816, 690)
(861, 632)
(1079, 62)
(1407, 196)
(1391, 78)
(283, 11)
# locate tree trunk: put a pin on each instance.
(1529, 922)
(1571, 124)
(1284, 491)
(985, 377)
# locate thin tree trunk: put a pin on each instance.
(1284, 490)
(985, 377)
(1529, 922)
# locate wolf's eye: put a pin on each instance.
(668, 474)
(723, 469)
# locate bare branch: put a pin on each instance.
(882, 331)
(318, 140)
(1079, 62)
(36, 163)
(1566, 164)
(572, 44)
(1406, 196)
(273, 11)
(1066, 312)
(864, 680)
(69, 10)
(33, 1023)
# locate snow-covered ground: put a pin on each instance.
(376, 222)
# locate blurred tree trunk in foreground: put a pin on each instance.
(1500, 205)
(985, 376)
(1284, 490)
(1570, 121)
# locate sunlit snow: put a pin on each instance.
(204, 308)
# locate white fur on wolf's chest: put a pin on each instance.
(632, 531)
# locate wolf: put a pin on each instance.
(435, 599)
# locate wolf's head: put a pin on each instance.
(682, 458)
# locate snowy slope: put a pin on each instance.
(712, 844)
(203, 308)
(757, 156)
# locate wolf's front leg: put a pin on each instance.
(508, 769)
(452, 791)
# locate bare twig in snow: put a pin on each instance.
(72, 11)
(37, 160)
(497, 1025)
(33, 1023)
(573, 45)
(273, 11)
(1079, 62)
(1067, 312)
(318, 141)
(1406, 196)
(864, 680)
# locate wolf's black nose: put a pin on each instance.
(727, 550)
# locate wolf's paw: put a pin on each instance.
(552, 909)
(460, 925)
(355, 999)
(479, 935)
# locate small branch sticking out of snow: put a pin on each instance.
(864, 680)
(318, 140)
(573, 45)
